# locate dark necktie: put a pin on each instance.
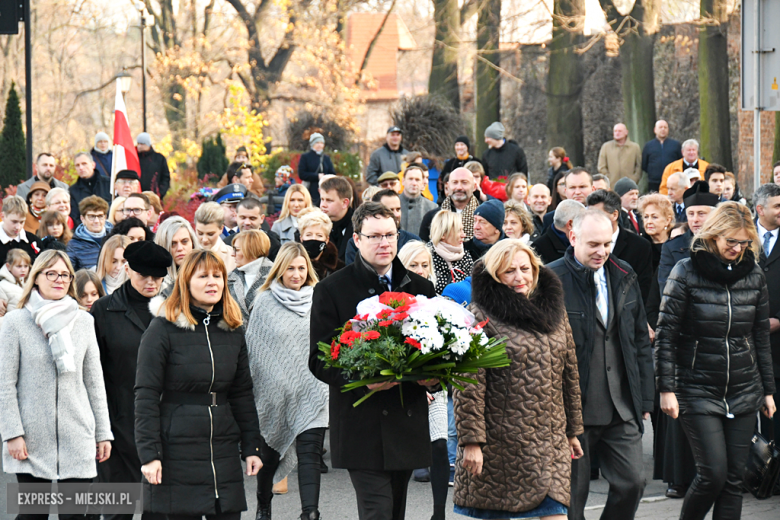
(680, 213)
(384, 281)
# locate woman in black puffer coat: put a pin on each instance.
(194, 401)
(714, 364)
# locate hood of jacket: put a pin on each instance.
(543, 312)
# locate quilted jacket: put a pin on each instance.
(712, 340)
(521, 415)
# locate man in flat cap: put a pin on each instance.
(121, 318)
(699, 202)
(126, 182)
(386, 158)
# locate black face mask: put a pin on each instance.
(314, 247)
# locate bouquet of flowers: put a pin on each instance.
(398, 337)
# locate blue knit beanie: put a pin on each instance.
(493, 212)
(459, 292)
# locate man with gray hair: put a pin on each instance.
(690, 159)
(502, 157)
(552, 244)
(615, 364)
(90, 182)
(676, 185)
(767, 202)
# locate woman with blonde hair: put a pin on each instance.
(418, 259)
(296, 199)
(250, 251)
(115, 214)
(713, 358)
(55, 417)
(517, 221)
(515, 452)
(176, 235)
(111, 263)
(291, 403)
(314, 229)
(209, 221)
(58, 199)
(55, 224)
(194, 409)
(451, 262)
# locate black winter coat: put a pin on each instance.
(198, 445)
(380, 434)
(771, 269)
(549, 246)
(504, 161)
(119, 329)
(579, 286)
(712, 340)
(672, 252)
(81, 189)
(310, 165)
(638, 253)
(154, 172)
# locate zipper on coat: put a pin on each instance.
(57, 417)
(211, 417)
(729, 415)
(695, 348)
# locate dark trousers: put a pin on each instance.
(619, 448)
(440, 475)
(381, 495)
(25, 478)
(219, 515)
(653, 186)
(308, 446)
(720, 447)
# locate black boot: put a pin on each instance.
(314, 515)
(263, 510)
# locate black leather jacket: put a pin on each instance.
(712, 340)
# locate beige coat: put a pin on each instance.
(617, 161)
(226, 253)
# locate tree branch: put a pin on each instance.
(468, 10)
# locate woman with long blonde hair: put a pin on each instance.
(55, 420)
(291, 403)
(194, 406)
(296, 199)
(713, 358)
(111, 263)
(115, 215)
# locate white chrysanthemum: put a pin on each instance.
(432, 341)
(462, 341)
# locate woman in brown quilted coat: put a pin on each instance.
(517, 428)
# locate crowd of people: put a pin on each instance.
(141, 347)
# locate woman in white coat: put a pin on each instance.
(55, 421)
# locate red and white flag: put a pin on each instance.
(125, 154)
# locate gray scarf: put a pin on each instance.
(55, 318)
(298, 301)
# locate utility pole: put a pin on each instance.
(28, 86)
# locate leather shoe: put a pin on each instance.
(314, 515)
(280, 488)
(676, 491)
(422, 475)
(263, 511)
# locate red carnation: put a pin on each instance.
(349, 337)
(358, 317)
(396, 299)
(371, 334)
(402, 308)
(413, 342)
(334, 350)
(400, 316)
(383, 315)
(385, 323)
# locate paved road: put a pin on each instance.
(337, 499)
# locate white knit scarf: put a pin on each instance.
(55, 318)
(114, 282)
(298, 301)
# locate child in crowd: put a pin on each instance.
(12, 277)
(284, 180)
(89, 288)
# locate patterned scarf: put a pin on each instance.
(467, 215)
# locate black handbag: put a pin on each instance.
(763, 467)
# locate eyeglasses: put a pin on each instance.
(376, 239)
(133, 211)
(743, 244)
(53, 276)
(93, 218)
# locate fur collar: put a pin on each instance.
(157, 308)
(329, 261)
(543, 312)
